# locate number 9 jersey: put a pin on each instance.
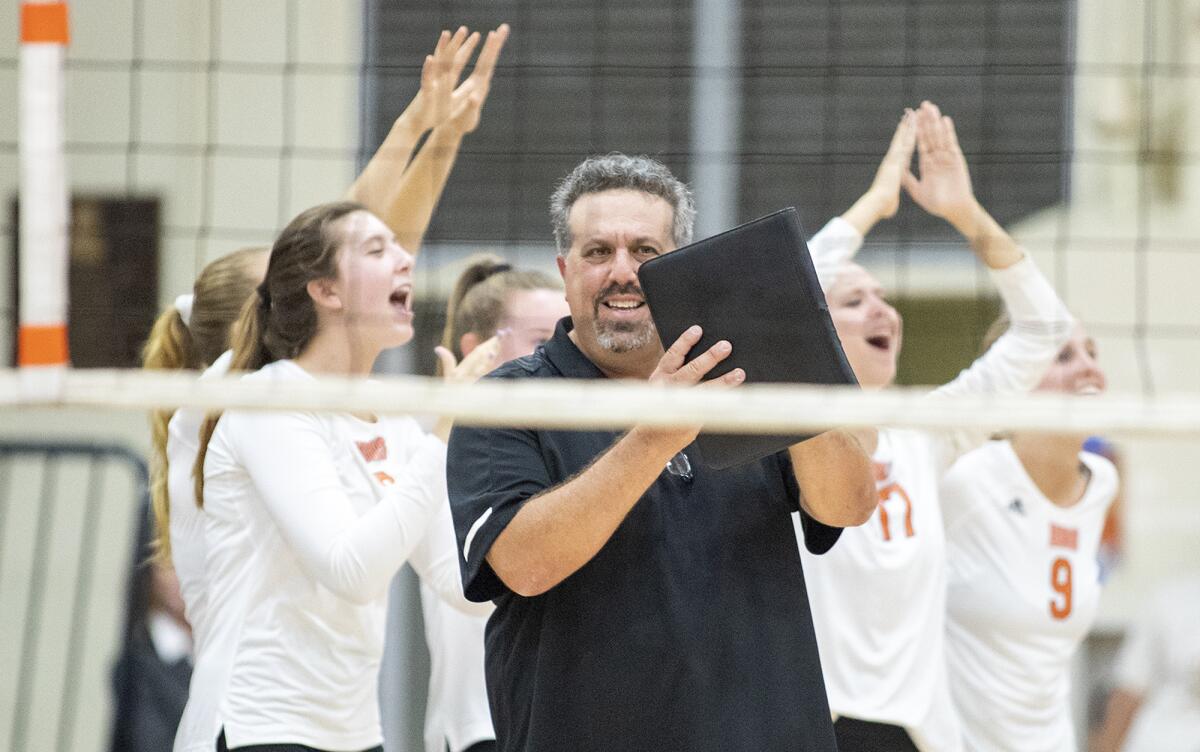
(1022, 592)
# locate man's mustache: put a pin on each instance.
(628, 288)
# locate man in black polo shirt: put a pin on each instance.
(644, 600)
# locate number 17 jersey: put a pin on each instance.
(1022, 592)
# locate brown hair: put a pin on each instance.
(281, 319)
(218, 294)
(481, 293)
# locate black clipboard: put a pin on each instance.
(755, 286)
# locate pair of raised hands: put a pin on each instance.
(942, 184)
(442, 100)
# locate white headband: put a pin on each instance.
(183, 304)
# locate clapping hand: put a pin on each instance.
(885, 188)
(475, 364)
(439, 73)
(944, 186)
(469, 97)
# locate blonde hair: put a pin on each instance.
(281, 319)
(480, 298)
(174, 345)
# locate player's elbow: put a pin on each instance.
(344, 575)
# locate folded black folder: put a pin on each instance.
(755, 286)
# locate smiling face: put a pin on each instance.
(612, 233)
(869, 328)
(373, 283)
(1076, 368)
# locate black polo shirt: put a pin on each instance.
(689, 630)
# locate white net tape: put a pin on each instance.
(580, 404)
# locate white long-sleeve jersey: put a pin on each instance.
(307, 518)
(1023, 589)
(198, 726)
(457, 714)
(879, 596)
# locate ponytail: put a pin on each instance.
(169, 348)
(479, 267)
(249, 354)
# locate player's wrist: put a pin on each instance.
(967, 218)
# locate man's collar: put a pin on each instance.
(565, 356)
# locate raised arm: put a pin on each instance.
(944, 190)
(840, 238)
(560, 530)
(404, 189)
(882, 198)
(377, 182)
(412, 202)
(1041, 323)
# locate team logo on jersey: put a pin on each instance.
(1017, 506)
(384, 479)
(1064, 537)
(374, 450)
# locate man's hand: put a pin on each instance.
(672, 370)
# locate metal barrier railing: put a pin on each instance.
(54, 575)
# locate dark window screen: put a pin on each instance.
(575, 79)
(825, 84)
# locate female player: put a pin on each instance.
(308, 516)
(879, 595)
(1024, 516)
(520, 309)
(195, 331)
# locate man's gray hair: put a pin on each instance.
(616, 171)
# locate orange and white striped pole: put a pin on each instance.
(42, 335)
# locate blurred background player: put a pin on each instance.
(1155, 704)
(879, 596)
(520, 309)
(1024, 517)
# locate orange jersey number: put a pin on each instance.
(1060, 582)
(885, 493)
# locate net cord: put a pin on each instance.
(566, 404)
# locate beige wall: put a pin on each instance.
(142, 106)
